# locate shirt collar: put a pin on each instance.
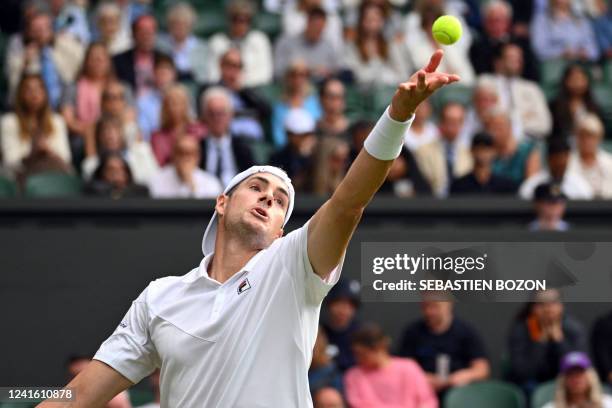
(223, 141)
(204, 264)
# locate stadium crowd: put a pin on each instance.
(170, 99)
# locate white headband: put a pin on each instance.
(208, 241)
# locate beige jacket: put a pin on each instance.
(431, 159)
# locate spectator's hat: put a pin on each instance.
(299, 122)
(549, 192)
(345, 289)
(575, 359)
(208, 241)
(482, 139)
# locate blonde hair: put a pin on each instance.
(182, 11)
(166, 122)
(591, 123)
(595, 396)
(323, 181)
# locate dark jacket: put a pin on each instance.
(124, 66)
(242, 153)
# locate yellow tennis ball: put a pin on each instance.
(446, 30)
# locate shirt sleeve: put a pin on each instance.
(315, 287)
(129, 350)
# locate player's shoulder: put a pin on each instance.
(168, 284)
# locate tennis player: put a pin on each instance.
(238, 330)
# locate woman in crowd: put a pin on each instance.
(109, 137)
(81, 103)
(558, 32)
(381, 380)
(108, 25)
(329, 166)
(372, 58)
(176, 119)
(540, 336)
(297, 93)
(515, 160)
(254, 46)
(113, 178)
(575, 99)
(115, 103)
(578, 385)
(333, 121)
(423, 129)
(190, 54)
(422, 44)
(31, 120)
(590, 161)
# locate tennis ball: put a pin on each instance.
(446, 30)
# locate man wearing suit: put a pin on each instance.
(223, 154)
(135, 66)
(447, 157)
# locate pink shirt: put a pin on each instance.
(400, 384)
(162, 141)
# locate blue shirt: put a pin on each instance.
(280, 111)
(149, 108)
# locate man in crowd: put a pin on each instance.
(549, 204)
(602, 347)
(481, 179)
(445, 158)
(449, 350)
(183, 178)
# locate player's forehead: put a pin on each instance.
(268, 179)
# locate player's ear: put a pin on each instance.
(221, 204)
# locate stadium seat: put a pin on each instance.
(261, 151)
(551, 72)
(486, 394)
(52, 185)
(543, 394)
(269, 23)
(452, 93)
(271, 93)
(8, 188)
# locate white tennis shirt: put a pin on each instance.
(244, 343)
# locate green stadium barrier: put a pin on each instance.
(8, 188)
(486, 394)
(52, 184)
(543, 394)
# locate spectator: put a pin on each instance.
(549, 202)
(254, 46)
(540, 336)
(573, 101)
(449, 350)
(323, 372)
(108, 27)
(251, 111)
(135, 66)
(445, 158)
(297, 93)
(57, 58)
(602, 27)
(522, 98)
(578, 385)
(602, 347)
(515, 160)
(154, 382)
(371, 58)
(341, 305)
(149, 104)
(190, 54)
(327, 397)
(381, 380)
(333, 121)
(115, 103)
(70, 18)
(108, 137)
(32, 120)
(176, 119)
(182, 178)
(591, 161)
(482, 180)
(572, 185)
(77, 363)
(393, 17)
(422, 44)
(296, 157)
(423, 130)
(113, 178)
(81, 101)
(329, 165)
(497, 27)
(223, 154)
(557, 32)
(484, 98)
(296, 14)
(310, 46)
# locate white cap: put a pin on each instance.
(208, 241)
(299, 121)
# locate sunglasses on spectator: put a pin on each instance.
(240, 18)
(113, 96)
(232, 64)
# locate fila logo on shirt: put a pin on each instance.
(244, 286)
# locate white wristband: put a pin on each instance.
(387, 138)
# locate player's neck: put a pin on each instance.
(230, 257)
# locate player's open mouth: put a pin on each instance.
(260, 213)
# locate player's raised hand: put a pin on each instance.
(423, 83)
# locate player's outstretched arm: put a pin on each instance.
(333, 225)
(94, 387)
